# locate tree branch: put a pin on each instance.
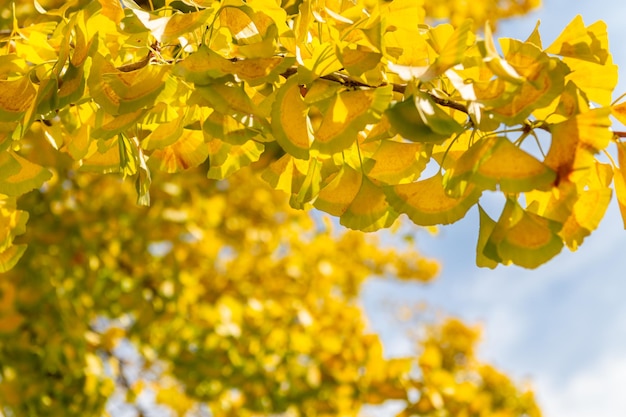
(398, 88)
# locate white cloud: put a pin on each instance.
(596, 390)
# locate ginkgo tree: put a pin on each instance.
(211, 294)
(354, 99)
(219, 297)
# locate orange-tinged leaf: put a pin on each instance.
(427, 203)
(188, 151)
(19, 176)
(575, 140)
(619, 111)
(289, 120)
(12, 321)
(236, 17)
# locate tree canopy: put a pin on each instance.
(367, 110)
(188, 278)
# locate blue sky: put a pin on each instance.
(562, 326)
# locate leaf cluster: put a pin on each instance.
(353, 101)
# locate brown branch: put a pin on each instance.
(398, 88)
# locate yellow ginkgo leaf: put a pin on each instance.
(19, 176)
(495, 162)
(370, 210)
(126, 91)
(188, 151)
(399, 162)
(580, 42)
(620, 192)
(348, 113)
(340, 191)
(103, 157)
(485, 229)
(226, 158)
(523, 238)
(286, 174)
(16, 97)
(427, 203)
(289, 120)
(12, 221)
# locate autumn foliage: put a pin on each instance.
(364, 110)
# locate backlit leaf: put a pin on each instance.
(523, 238)
(188, 151)
(289, 120)
(16, 97)
(495, 162)
(427, 203)
(19, 176)
(397, 162)
(580, 42)
(349, 112)
(370, 210)
(225, 159)
(419, 119)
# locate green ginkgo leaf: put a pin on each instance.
(419, 119)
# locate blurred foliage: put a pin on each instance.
(218, 294)
(480, 11)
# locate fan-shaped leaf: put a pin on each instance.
(188, 151)
(19, 176)
(427, 203)
(348, 113)
(289, 120)
(523, 238)
(495, 162)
